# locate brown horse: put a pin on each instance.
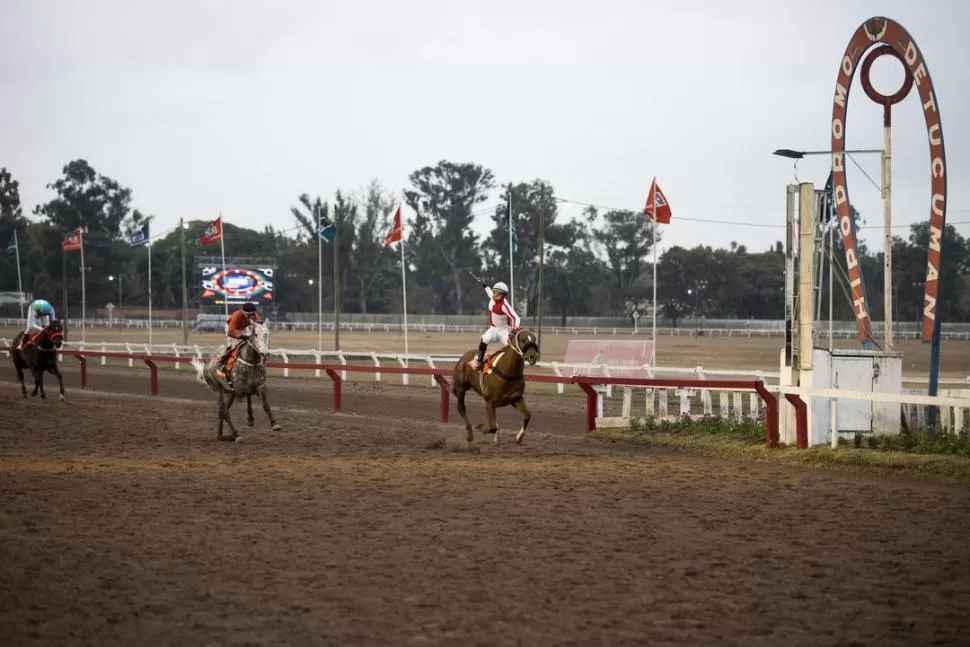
(501, 382)
(39, 357)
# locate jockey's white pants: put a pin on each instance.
(36, 322)
(494, 335)
(232, 342)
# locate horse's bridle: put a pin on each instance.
(262, 355)
(520, 350)
(52, 338)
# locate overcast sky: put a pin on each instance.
(238, 106)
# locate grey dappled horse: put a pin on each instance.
(248, 378)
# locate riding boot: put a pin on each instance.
(480, 363)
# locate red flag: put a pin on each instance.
(397, 230)
(657, 207)
(213, 232)
(73, 241)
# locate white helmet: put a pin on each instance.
(501, 287)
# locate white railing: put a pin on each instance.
(657, 401)
(954, 407)
(368, 327)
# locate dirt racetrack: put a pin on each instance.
(123, 522)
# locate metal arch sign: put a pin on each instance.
(889, 32)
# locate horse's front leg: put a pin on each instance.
(492, 425)
(60, 379)
(38, 383)
(250, 421)
(526, 417)
(264, 396)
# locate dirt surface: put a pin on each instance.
(123, 521)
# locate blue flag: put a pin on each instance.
(12, 245)
(515, 239)
(326, 229)
(139, 237)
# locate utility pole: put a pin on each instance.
(185, 287)
(542, 262)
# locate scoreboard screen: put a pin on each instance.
(236, 284)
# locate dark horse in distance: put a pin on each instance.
(39, 357)
(501, 382)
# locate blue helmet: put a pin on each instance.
(41, 307)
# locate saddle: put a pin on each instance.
(28, 339)
(228, 361)
(490, 360)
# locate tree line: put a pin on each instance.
(597, 265)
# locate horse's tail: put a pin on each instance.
(199, 367)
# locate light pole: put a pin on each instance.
(887, 224)
(112, 278)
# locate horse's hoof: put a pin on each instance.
(237, 439)
(61, 397)
(277, 428)
(495, 439)
(250, 422)
(519, 436)
(469, 436)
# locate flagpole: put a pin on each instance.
(404, 291)
(149, 288)
(655, 220)
(222, 248)
(84, 299)
(655, 285)
(319, 281)
(336, 277)
(20, 285)
(511, 265)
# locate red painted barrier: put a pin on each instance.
(801, 419)
(149, 360)
(585, 382)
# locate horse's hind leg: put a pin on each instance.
(225, 404)
(250, 421)
(222, 408)
(264, 396)
(526, 417)
(462, 411)
(20, 376)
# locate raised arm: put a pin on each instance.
(510, 313)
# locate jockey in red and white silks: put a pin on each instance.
(502, 320)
